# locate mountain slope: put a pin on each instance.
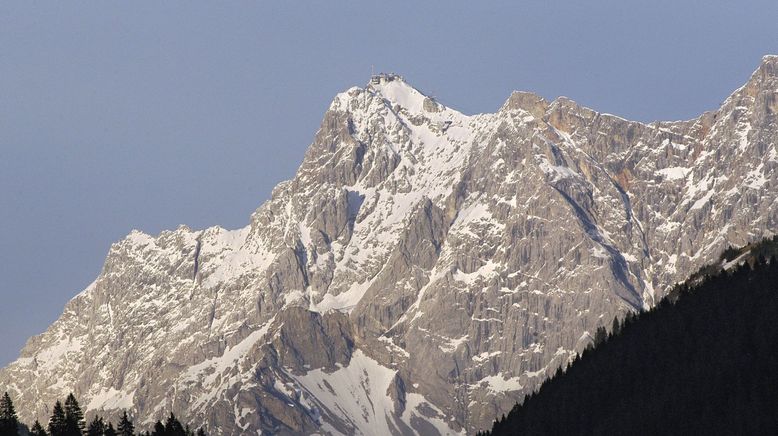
(422, 271)
(706, 363)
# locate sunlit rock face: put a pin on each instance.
(422, 271)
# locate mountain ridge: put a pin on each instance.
(457, 259)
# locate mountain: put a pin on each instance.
(422, 271)
(705, 359)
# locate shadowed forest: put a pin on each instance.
(703, 361)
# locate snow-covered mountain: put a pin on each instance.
(422, 271)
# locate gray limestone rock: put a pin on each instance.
(422, 272)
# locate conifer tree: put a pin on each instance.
(110, 431)
(159, 429)
(74, 417)
(126, 428)
(173, 426)
(200, 432)
(37, 429)
(600, 336)
(616, 326)
(96, 427)
(57, 420)
(8, 422)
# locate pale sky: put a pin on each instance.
(147, 115)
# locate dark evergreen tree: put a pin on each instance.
(200, 432)
(109, 430)
(96, 427)
(126, 428)
(616, 326)
(57, 421)
(9, 424)
(173, 426)
(74, 417)
(37, 429)
(600, 336)
(730, 253)
(159, 429)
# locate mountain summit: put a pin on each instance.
(422, 271)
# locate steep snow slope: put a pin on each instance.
(422, 271)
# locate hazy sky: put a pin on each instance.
(147, 115)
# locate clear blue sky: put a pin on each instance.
(122, 115)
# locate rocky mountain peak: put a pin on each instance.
(769, 65)
(762, 87)
(401, 96)
(526, 101)
(421, 272)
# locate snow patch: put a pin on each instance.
(674, 173)
(111, 399)
(452, 344)
(485, 356)
(358, 393)
(498, 384)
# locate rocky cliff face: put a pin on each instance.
(423, 270)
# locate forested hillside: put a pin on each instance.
(704, 361)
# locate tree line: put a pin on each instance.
(703, 361)
(68, 420)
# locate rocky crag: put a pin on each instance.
(422, 271)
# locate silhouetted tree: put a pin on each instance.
(159, 429)
(173, 426)
(730, 253)
(616, 326)
(57, 420)
(37, 429)
(74, 417)
(126, 428)
(9, 424)
(96, 427)
(600, 335)
(110, 431)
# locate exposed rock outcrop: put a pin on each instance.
(423, 270)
